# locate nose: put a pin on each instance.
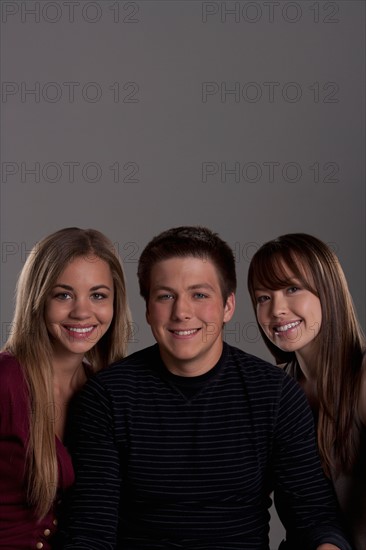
(278, 304)
(182, 309)
(81, 309)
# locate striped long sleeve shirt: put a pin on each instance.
(164, 464)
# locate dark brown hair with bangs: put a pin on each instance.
(341, 343)
(274, 266)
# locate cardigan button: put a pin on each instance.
(47, 532)
(39, 545)
(55, 522)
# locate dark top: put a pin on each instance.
(350, 487)
(157, 469)
(19, 529)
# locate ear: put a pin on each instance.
(147, 315)
(229, 308)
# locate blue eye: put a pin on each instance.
(99, 296)
(163, 297)
(62, 296)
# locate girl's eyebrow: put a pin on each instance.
(97, 287)
(68, 287)
(289, 281)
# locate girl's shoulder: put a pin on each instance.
(11, 372)
(14, 398)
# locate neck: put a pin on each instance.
(68, 373)
(307, 361)
(187, 370)
(195, 367)
(308, 380)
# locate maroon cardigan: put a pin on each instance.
(19, 529)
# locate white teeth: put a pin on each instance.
(283, 328)
(80, 330)
(185, 332)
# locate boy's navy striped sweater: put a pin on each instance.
(164, 463)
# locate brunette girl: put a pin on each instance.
(307, 319)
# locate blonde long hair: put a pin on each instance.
(341, 343)
(30, 343)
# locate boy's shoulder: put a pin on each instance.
(252, 364)
(136, 364)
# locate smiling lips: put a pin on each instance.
(78, 331)
(187, 332)
(278, 329)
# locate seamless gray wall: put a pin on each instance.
(132, 117)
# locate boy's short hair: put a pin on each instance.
(184, 241)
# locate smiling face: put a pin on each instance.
(290, 317)
(79, 308)
(186, 312)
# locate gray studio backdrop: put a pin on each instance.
(132, 117)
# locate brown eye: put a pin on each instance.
(262, 299)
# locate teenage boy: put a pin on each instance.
(179, 445)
